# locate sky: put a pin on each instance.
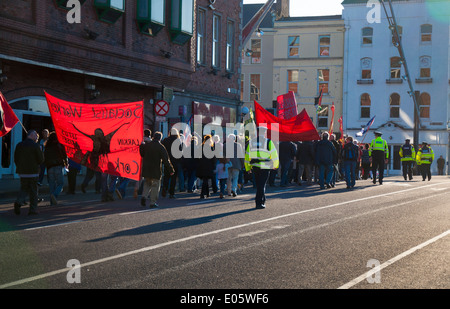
(310, 7)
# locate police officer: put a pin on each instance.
(261, 156)
(407, 154)
(379, 152)
(425, 157)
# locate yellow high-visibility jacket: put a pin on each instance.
(261, 153)
(406, 157)
(379, 144)
(425, 155)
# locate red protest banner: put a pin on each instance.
(104, 137)
(287, 106)
(8, 118)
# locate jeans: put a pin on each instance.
(233, 177)
(55, 179)
(325, 174)
(151, 189)
(261, 177)
(285, 169)
(349, 170)
(28, 185)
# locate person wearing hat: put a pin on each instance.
(424, 158)
(261, 156)
(407, 155)
(379, 152)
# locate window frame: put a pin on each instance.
(256, 96)
(366, 65)
(394, 105)
(323, 116)
(323, 82)
(230, 53)
(423, 33)
(201, 36)
(108, 12)
(365, 36)
(365, 108)
(253, 58)
(148, 25)
(216, 40)
(395, 68)
(328, 46)
(292, 47)
(181, 15)
(292, 82)
(424, 66)
(424, 108)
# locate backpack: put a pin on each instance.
(350, 152)
(365, 158)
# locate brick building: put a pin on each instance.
(112, 51)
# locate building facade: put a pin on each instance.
(375, 81)
(185, 52)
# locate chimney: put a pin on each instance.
(282, 9)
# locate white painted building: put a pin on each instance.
(374, 82)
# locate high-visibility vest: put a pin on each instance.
(261, 153)
(425, 156)
(407, 153)
(379, 144)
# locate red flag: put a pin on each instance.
(8, 118)
(104, 137)
(287, 106)
(298, 128)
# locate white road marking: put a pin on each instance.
(393, 260)
(185, 239)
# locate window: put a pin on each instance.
(150, 15)
(323, 78)
(109, 10)
(182, 21)
(293, 80)
(216, 41)
(367, 34)
(322, 118)
(365, 105)
(394, 105)
(425, 67)
(255, 84)
(293, 46)
(366, 68)
(230, 46)
(324, 45)
(400, 31)
(395, 69)
(425, 33)
(201, 36)
(424, 105)
(256, 51)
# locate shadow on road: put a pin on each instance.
(170, 225)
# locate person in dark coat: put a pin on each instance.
(190, 163)
(154, 154)
(206, 166)
(305, 161)
(287, 154)
(325, 156)
(28, 158)
(170, 181)
(56, 160)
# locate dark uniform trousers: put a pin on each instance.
(261, 177)
(378, 158)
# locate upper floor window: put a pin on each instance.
(109, 10)
(323, 79)
(256, 51)
(425, 66)
(425, 33)
(216, 41)
(293, 80)
(293, 46)
(394, 105)
(150, 15)
(255, 86)
(365, 103)
(366, 68)
(230, 46)
(201, 36)
(367, 34)
(424, 105)
(395, 67)
(324, 45)
(182, 21)
(400, 32)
